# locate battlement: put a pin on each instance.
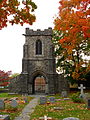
(38, 32)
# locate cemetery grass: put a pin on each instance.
(13, 112)
(69, 109)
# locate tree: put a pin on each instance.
(15, 12)
(73, 37)
(4, 78)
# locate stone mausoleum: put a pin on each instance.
(38, 66)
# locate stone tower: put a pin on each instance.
(38, 65)
(38, 59)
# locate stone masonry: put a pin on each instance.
(42, 64)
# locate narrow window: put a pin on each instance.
(38, 47)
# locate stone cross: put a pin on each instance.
(45, 118)
(81, 88)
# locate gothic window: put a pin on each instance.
(38, 47)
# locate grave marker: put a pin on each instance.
(81, 88)
(2, 104)
(88, 104)
(52, 99)
(45, 118)
(14, 103)
(71, 118)
(43, 100)
(64, 94)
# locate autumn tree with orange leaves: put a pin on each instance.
(72, 37)
(16, 11)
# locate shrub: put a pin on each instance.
(76, 98)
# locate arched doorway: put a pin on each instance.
(39, 84)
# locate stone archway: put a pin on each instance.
(39, 84)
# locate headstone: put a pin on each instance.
(66, 99)
(14, 103)
(58, 108)
(52, 99)
(64, 94)
(88, 104)
(71, 118)
(4, 117)
(81, 92)
(2, 104)
(43, 100)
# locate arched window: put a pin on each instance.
(38, 47)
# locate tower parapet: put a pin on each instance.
(38, 32)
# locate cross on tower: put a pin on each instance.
(81, 88)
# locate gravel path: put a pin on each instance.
(25, 115)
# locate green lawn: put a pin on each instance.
(13, 112)
(70, 109)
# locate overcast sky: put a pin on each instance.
(12, 40)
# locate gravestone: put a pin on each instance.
(2, 104)
(71, 118)
(4, 117)
(81, 88)
(52, 99)
(14, 103)
(58, 108)
(64, 94)
(66, 99)
(88, 104)
(43, 100)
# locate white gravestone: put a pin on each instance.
(81, 88)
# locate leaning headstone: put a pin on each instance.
(51, 99)
(14, 103)
(2, 104)
(4, 117)
(43, 100)
(64, 94)
(71, 118)
(88, 103)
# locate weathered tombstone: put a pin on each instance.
(14, 103)
(71, 118)
(81, 88)
(52, 99)
(43, 100)
(88, 104)
(4, 117)
(2, 104)
(64, 94)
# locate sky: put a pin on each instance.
(12, 40)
